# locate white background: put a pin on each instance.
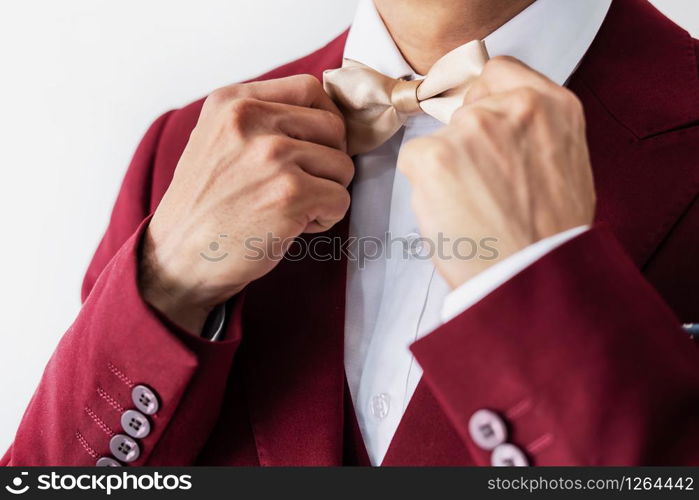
(80, 81)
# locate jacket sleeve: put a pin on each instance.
(117, 346)
(578, 357)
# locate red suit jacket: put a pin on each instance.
(583, 352)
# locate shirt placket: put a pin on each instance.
(383, 391)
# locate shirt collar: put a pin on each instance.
(550, 36)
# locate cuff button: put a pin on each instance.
(124, 448)
(508, 455)
(487, 429)
(107, 462)
(135, 424)
(144, 399)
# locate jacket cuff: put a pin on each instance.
(482, 284)
(577, 354)
(117, 345)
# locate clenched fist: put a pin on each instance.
(265, 158)
(512, 165)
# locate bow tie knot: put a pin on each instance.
(404, 97)
(375, 106)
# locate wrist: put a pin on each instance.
(462, 265)
(513, 260)
(180, 296)
(181, 312)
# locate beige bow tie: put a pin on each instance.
(375, 106)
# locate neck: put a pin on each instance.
(425, 30)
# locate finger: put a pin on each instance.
(502, 105)
(522, 106)
(503, 74)
(297, 90)
(324, 162)
(326, 204)
(313, 125)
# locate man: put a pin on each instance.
(567, 348)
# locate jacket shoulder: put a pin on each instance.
(643, 68)
(327, 57)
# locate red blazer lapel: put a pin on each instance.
(294, 369)
(639, 87)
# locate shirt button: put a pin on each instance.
(380, 405)
(145, 399)
(107, 462)
(135, 424)
(508, 455)
(487, 429)
(124, 448)
(415, 245)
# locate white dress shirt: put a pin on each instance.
(394, 299)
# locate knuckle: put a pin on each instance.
(242, 110)
(344, 200)
(461, 114)
(473, 120)
(223, 95)
(499, 63)
(218, 97)
(272, 148)
(345, 168)
(411, 152)
(571, 101)
(336, 125)
(528, 98)
(592, 200)
(243, 106)
(505, 60)
(440, 154)
(340, 198)
(349, 169)
(308, 83)
(527, 102)
(336, 205)
(288, 189)
(426, 154)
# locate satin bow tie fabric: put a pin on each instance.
(375, 106)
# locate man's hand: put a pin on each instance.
(266, 158)
(512, 164)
